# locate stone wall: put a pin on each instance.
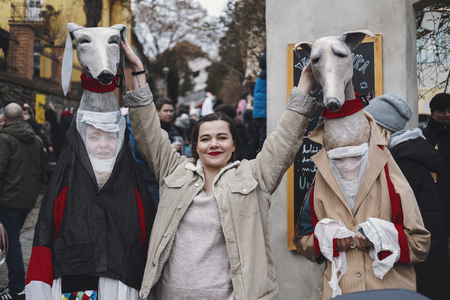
(22, 91)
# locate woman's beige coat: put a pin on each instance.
(372, 201)
(242, 190)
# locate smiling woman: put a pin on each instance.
(211, 240)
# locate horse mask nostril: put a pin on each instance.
(333, 104)
(105, 77)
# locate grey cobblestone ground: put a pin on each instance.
(26, 238)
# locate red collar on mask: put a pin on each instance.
(349, 108)
(95, 86)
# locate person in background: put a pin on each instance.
(242, 105)
(437, 133)
(250, 134)
(2, 123)
(208, 104)
(194, 113)
(22, 171)
(217, 103)
(50, 126)
(260, 102)
(63, 126)
(165, 108)
(417, 158)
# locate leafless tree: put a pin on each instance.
(433, 48)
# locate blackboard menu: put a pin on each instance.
(366, 81)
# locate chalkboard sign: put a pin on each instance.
(367, 80)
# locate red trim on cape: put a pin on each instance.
(58, 210)
(41, 266)
(95, 86)
(397, 218)
(349, 108)
(141, 219)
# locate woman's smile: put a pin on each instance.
(214, 153)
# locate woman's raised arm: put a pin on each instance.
(281, 146)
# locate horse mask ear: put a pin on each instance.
(67, 64)
(123, 36)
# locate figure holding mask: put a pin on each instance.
(96, 217)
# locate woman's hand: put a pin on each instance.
(131, 58)
(135, 64)
(306, 79)
(361, 242)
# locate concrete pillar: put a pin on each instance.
(308, 20)
(21, 60)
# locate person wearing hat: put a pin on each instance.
(416, 159)
(437, 134)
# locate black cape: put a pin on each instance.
(82, 230)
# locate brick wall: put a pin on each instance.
(22, 64)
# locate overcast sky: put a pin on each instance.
(214, 7)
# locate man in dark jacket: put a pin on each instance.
(22, 170)
(437, 134)
(417, 158)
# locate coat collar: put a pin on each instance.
(377, 160)
(198, 168)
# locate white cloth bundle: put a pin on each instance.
(384, 237)
(327, 230)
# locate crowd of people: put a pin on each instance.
(203, 190)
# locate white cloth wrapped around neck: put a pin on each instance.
(384, 237)
(349, 165)
(326, 231)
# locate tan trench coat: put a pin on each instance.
(372, 201)
(242, 189)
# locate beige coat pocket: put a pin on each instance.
(171, 188)
(243, 196)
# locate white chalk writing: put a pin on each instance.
(358, 60)
(302, 63)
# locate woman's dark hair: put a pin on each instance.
(238, 153)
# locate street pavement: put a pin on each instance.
(26, 238)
